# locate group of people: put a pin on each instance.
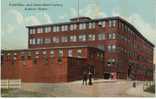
(87, 76)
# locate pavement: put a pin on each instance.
(100, 88)
(138, 91)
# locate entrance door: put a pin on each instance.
(107, 75)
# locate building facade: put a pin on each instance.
(50, 65)
(127, 53)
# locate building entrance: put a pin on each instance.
(107, 75)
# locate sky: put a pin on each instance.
(140, 13)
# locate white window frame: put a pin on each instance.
(47, 29)
(56, 39)
(64, 39)
(47, 40)
(73, 38)
(101, 36)
(91, 37)
(40, 30)
(70, 53)
(82, 37)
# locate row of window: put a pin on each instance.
(72, 38)
(60, 53)
(27, 55)
(71, 27)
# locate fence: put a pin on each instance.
(6, 84)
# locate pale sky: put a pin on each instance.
(140, 13)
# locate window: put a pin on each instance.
(91, 37)
(111, 62)
(47, 40)
(79, 53)
(101, 36)
(60, 55)
(93, 25)
(30, 41)
(47, 29)
(39, 30)
(101, 57)
(15, 54)
(70, 53)
(64, 39)
(73, 38)
(52, 56)
(90, 25)
(71, 27)
(8, 54)
(52, 53)
(102, 23)
(33, 41)
(82, 37)
(111, 48)
(56, 40)
(64, 28)
(82, 26)
(112, 23)
(37, 52)
(112, 36)
(122, 26)
(23, 57)
(75, 26)
(39, 41)
(56, 28)
(44, 52)
(32, 31)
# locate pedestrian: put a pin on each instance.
(134, 84)
(85, 77)
(90, 78)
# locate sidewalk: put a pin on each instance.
(138, 92)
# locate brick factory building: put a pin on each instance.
(108, 47)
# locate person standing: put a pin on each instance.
(90, 78)
(85, 77)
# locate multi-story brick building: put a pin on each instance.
(127, 53)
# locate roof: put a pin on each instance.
(94, 20)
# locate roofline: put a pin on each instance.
(92, 20)
(136, 31)
(61, 23)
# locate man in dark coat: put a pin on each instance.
(90, 78)
(85, 77)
